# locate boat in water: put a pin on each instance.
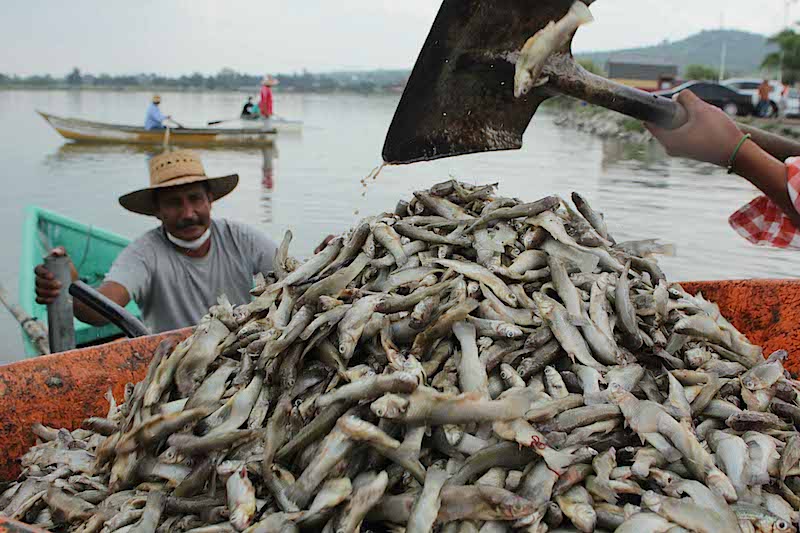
(279, 124)
(91, 249)
(100, 132)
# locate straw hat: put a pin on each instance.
(156, 99)
(171, 169)
(269, 80)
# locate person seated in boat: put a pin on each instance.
(711, 136)
(154, 119)
(265, 102)
(250, 110)
(176, 271)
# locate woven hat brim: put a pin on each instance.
(142, 201)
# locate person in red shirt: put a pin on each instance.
(711, 136)
(265, 103)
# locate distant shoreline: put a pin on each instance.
(241, 90)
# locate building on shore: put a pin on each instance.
(648, 76)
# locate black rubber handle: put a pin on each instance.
(117, 315)
(571, 79)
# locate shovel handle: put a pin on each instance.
(568, 77)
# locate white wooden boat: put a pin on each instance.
(99, 132)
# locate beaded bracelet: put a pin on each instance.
(736, 151)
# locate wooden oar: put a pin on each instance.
(34, 329)
(175, 122)
(213, 122)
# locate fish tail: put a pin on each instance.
(606, 492)
(582, 13)
(558, 461)
(596, 398)
(668, 250)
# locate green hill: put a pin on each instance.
(745, 52)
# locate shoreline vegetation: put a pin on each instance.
(373, 81)
(571, 113)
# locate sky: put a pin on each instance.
(256, 36)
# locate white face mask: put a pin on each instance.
(189, 245)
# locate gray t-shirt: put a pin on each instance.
(173, 290)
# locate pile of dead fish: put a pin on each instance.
(467, 363)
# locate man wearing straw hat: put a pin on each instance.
(265, 102)
(154, 120)
(176, 271)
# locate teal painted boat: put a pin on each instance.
(92, 250)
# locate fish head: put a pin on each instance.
(779, 525)
(227, 468)
(533, 521)
(651, 500)
(506, 503)
(663, 478)
(506, 371)
(540, 300)
(510, 331)
(283, 475)
(453, 434)
(696, 357)
(617, 393)
(171, 456)
(389, 406)
(347, 344)
(718, 482)
(241, 517)
(584, 517)
(750, 382)
(473, 288)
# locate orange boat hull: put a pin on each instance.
(62, 390)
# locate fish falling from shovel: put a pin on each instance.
(487, 65)
(537, 49)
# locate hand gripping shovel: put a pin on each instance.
(460, 96)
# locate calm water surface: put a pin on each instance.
(310, 183)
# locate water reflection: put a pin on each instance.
(269, 154)
(649, 157)
(71, 152)
(81, 161)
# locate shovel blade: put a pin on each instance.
(460, 96)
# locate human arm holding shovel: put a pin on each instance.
(711, 136)
(48, 289)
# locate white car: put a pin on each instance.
(750, 86)
(792, 103)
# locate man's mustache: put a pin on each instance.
(188, 223)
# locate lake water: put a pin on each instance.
(310, 183)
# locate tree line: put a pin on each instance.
(225, 79)
(786, 58)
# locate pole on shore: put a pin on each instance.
(60, 324)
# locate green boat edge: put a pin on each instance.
(33, 252)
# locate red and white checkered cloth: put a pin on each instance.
(763, 223)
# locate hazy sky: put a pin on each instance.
(255, 36)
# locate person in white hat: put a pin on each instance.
(176, 271)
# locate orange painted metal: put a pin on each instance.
(767, 311)
(61, 390)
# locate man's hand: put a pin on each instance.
(323, 244)
(47, 288)
(709, 135)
